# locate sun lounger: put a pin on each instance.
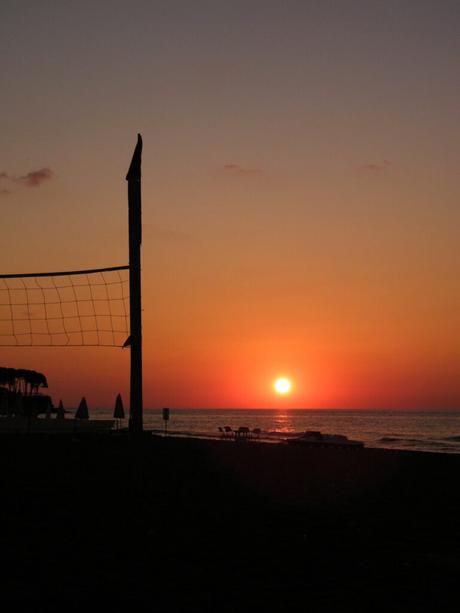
(242, 434)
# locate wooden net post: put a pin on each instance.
(135, 238)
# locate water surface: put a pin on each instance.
(416, 430)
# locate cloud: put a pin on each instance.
(385, 165)
(236, 169)
(36, 177)
(3, 190)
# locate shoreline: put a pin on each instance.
(85, 429)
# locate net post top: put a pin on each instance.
(134, 172)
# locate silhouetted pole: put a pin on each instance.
(135, 238)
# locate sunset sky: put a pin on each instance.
(301, 184)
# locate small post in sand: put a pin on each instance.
(166, 419)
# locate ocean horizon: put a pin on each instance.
(433, 431)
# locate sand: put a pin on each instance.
(225, 526)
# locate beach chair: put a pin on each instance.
(242, 434)
(228, 432)
(222, 432)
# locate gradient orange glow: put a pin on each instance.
(300, 196)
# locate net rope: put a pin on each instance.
(87, 308)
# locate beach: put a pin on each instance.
(189, 524)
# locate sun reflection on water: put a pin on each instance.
(283, 422)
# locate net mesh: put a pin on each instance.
(82, 308)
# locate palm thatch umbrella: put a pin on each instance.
(119, 411)
(82, 411)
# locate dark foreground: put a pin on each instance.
(225, 526)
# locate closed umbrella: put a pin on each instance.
(119, 411)
(60, 411)
(82, 411)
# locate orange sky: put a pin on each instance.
(300, 195)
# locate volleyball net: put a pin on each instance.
(87, 308)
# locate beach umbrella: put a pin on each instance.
(60, 411)
(119, 411)
(82, 411)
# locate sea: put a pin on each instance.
(407, 430)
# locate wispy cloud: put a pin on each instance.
(236, 169)
(379, 167)
(3, 190)
(34, 178)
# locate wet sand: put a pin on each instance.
(225, 526)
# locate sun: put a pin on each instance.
(282, 386)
